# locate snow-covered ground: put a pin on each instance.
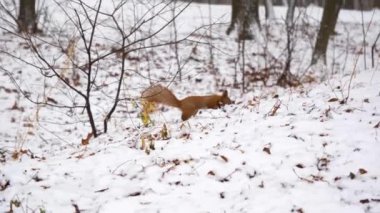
(273, 150)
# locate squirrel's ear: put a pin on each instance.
(225, 94)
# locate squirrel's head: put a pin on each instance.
(224, 100)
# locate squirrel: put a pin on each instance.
(189, 105)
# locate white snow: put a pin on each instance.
(313, 155)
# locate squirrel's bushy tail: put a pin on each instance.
(160, 94)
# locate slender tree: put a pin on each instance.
(327, 26)
(27, 18)
(269, 11)
(290, 12)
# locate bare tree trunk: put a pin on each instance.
(245, 13)
(373, 50)
(327, 26)
(290, 12)
(356, 4)
(27, 18)
(377, 3)
(269, 11)
(287, 78)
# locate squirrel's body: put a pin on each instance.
(189, 105)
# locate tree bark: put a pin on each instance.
(269, 11)
(27, 18)
(245, 13)
(327, 26)
(290, 12)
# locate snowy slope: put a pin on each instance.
(274, 150)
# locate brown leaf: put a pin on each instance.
(76, 208)
(5, 185)
(267, 150)
(28, 125)
(48, 99)
(377, 126)
(351, 175)
(333, 100)
(176, 162)
(222, 196)
(348, 110)
(362, 171)
(224, 158)
(37, 178)
(134, 194)
(16, 107)
(212, 173)
(300, 165)
(364, 201)
(101, 190)
(15, 155)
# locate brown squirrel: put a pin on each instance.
(189, 105)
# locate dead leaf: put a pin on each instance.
(16, 107)
(224, 180)
(300, 165)
(362, 171)
(76, 208)
(5, 185)
(224, 158)
(267, 150)
(348, 110)
(364, 201)
(250, 176)
(212, 173)
(377, 126)
(28, 125)
(134, 194)
(37, 178)
(299, 210)
(79, 156)
(101, 190)
(333, 100)
(222, 196)
(176, 162)
(45, 187)
(15, 155)
(352, 176)
(48, 99)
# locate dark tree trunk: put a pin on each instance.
(376, 3)
(327, 26)
(244, 14)
(290, 12)
(27, 18)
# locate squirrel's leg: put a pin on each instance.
(186, 114)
